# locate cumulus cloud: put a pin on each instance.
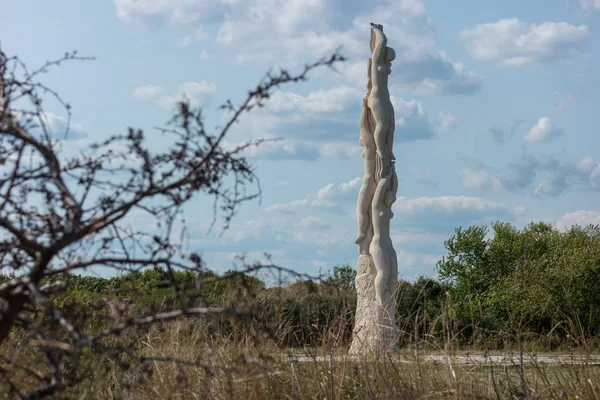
(329, 197)
(590, 170)
(412, 122)
(448, 121)
(183, 42)
(206, 56)
(248, 27)
(337, 99)
(429, 214)
(170, 11)
(434, 72)
(581, 217)
(59, 127)
(476, 177)
(543, 131)
(332, 116)
(148, 92)
(198, 94)
(515, 43)
(340, 191)
(541, 176)
(312, 222)
(590, 4)
(279, 150)
(451, 204)
(443, 214)
(341, 150)
(296, 205)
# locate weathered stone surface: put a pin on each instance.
(375, 331)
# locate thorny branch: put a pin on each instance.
(64, 213)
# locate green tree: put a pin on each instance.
(342, 277)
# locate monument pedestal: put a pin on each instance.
(375, 331)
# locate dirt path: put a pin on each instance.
(475, 358)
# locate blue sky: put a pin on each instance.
(496, 105)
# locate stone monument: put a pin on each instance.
(375, 330)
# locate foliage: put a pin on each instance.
(64, 213)
(535, 280)
(342, 277)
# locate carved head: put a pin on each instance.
(390, 55)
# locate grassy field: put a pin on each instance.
(223, 370)
(182, 360)
(293, 346)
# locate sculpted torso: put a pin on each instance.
(378, 191)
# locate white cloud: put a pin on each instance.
(147, 92)
(199, 94)
(590, 4)
(249, 28)
(328, 197)
(297, 205)
(543, 176)
(433, 72)
(587, 164)
(312, 222)
(172, 11)
(333, 115)
(441, 215)
(206, 56)
(58, 127)
(341, 150)
(544, 130)
(343, 190)
(474, 178)
(340, 191)
(513, 42)
(320, 239)
(580, 217)
(416, 237)
(409, 259)
(332, 100)
(249, 21)
(590, 170)
(183, 42)
(451, 204)
(412, 122)
(277, 150)
(448, 121)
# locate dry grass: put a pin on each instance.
(197, 358)
(218, 368)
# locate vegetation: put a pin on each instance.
(164, 326)
(493, 295)
(538, 285)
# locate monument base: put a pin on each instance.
(375, 330)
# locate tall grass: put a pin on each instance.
(294, 347)
(224, 368)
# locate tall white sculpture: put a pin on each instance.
(375, 330)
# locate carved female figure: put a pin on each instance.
(365, 196)
(381, 247)
(379, 100)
